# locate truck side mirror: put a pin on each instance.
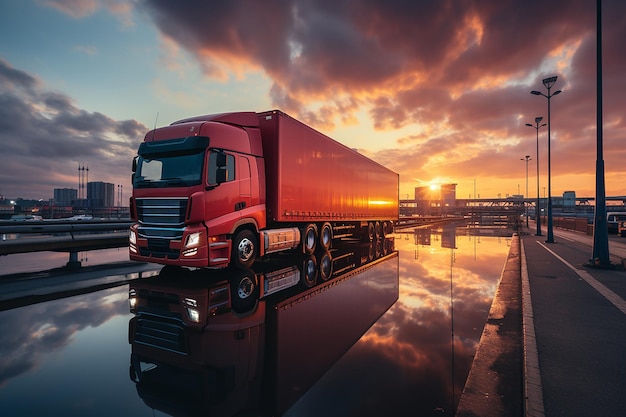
(220, 160)
(134, 170)
(221, 174)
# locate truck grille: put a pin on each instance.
(160, 221)
(162, 212)
(161, 332)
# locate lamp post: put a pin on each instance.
(600, 252)
(548, 83)
(526, 158)
(537, 208)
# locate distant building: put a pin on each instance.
(100, 194)
(65, 196)
(569, 199)
(435, 201)
(448, 195)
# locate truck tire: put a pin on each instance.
(244, 291)
(326, 236)
(310, 272)
(309, 239)
(371, 231)
(378, 231)
(326, 266)
(245, 249)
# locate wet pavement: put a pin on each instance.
(360, 338)
(580, 326)
(569, 318)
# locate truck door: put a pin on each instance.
(245, 183)
(225, 195)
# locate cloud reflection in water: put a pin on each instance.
(403, 364)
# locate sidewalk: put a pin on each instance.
(579, 322)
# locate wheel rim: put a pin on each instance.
(326, 236)
(326, 266)
(309, 239)
(311, 272)
(245, 288)
(245, 249)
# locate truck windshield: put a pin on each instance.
(171, 163)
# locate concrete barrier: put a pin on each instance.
(494, 386)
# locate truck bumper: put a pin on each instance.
(193, 250)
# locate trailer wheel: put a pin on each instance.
(370, 231)
(310, 272)
(244, 250)
(309, 239)
(326, 236)
(385, 229)
(244, 290)
(378, 231)
(326, 266)
(378, 248)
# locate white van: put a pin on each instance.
(613, 219)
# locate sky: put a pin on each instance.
(436, 90)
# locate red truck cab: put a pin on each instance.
(200, 200)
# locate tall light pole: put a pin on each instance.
(537, 207)
(526, 158)
(548, 83)
(600, 252)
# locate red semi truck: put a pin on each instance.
(228, 188)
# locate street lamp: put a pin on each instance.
(537, 209)
(526, 158)
(548, 83)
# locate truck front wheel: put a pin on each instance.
(245, 249)
(244, 288)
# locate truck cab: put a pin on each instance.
(196, 183)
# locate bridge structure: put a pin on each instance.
(581, 206)
(62, 236)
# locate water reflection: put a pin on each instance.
(316, 339)
(29, 336)
(406, 364)
(226, 342)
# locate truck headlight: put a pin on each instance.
(132, 237)
(132, 299)
(192, 239)
(191, 306)
(193, 314)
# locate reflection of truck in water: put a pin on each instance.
(228, 188)
(195, 352)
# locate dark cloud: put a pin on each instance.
(462, 67)
(11, 77)
(45, 136)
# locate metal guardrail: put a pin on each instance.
(63, 236)
(60, 226)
